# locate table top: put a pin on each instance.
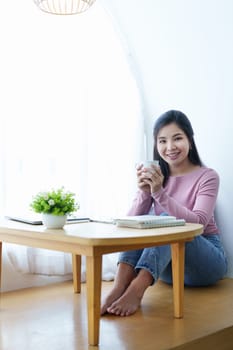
(96, 234)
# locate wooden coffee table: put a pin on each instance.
(95, 239)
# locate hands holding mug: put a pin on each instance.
(149, 176)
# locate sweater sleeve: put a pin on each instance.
(203, 203)
(141, 204)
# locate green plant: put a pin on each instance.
(56, 202)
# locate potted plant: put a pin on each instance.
(55, 206)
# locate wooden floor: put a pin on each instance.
(53, 318)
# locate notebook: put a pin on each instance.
(148, 221)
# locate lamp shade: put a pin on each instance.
(64, 7)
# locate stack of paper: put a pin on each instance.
(148, 221)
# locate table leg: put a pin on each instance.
(76, 266)
(93, 275)
(178, 277)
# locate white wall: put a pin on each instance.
(183, 54)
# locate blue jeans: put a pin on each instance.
(205, 261)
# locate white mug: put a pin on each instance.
(148, 163)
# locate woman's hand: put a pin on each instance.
(150, 179)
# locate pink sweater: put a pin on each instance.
(191, 197)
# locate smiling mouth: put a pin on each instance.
(173, 156)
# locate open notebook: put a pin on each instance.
(148, 221)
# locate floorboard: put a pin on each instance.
(53, 317)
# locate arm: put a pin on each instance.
(141, 204)
(143, 201)
(198, 207)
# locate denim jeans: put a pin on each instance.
(205, 261)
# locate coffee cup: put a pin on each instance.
(149, 163)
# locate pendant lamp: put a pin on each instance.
(64, 7)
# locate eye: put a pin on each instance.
(178, 138)
(162, 141)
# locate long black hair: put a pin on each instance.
(184, 124)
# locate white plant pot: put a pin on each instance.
(53, 221)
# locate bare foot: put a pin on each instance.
(115, 294)
(126, 305)
(125, 274)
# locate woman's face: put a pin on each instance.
(173, 145)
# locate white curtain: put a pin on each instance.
(70, 116)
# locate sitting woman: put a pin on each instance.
(180, 186)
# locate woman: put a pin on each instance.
(183, 187)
